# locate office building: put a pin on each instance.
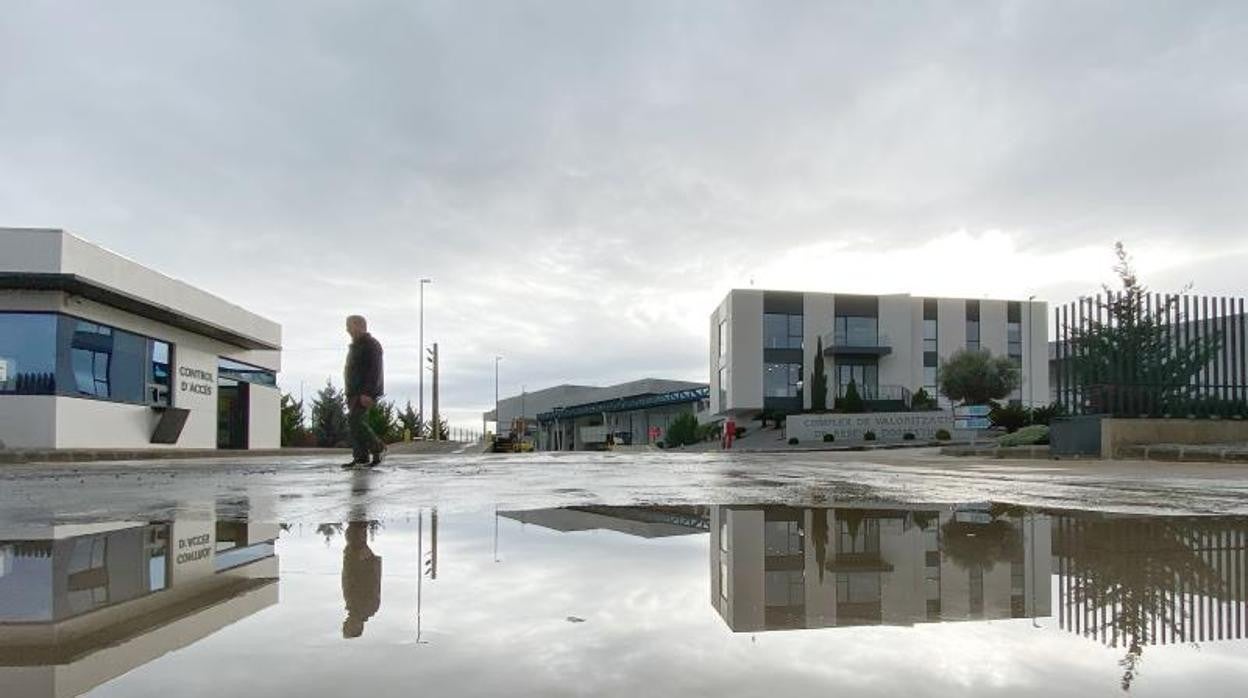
(764, 346)
(99, 352)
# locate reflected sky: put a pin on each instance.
(977, 599)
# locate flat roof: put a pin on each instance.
(42, 259)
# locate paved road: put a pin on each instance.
(312, 488)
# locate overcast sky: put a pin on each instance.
(584, 181)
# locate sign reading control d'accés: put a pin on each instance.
(195, 380)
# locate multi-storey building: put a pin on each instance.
(764, 346)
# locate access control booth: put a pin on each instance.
(99, 352)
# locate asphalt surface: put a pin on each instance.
(314, 488)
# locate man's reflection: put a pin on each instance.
(361, 579)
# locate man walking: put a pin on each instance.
(364, 385)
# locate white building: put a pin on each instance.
(99, 352)
(764, 345)
(780, 568)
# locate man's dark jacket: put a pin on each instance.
(364, 372)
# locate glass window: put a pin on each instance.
(108, 363)
(859, 587)
(782, 331)
(972, 335)
(929, 335)
(245, 373)
(723, 340)
(780, 380)
(784, 588)
(857, 331)
(28, 353)
(864, 376)
(929, 380)
(158, 387)
(782, 538)
(860, 539)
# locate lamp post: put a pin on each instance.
(497, 417)
(1031, 399)
(421, 352)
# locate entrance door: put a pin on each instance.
(232, 405)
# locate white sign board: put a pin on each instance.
(4, 370)
(972, 423)
(887, 426)
(972, 411)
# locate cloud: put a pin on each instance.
(584, 181)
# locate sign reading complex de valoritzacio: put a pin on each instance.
(888, 426)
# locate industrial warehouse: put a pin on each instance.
(99, 352)
(583, 417)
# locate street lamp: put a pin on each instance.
(420, 361)
(497, 416)
(1031, 382)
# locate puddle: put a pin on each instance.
(848, 598)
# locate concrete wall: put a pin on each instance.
(888, 426)
(264, 429)
(993, 333)
(745, 354)
(1116, 433)
(896, 320)
(28, 421)
(1035, 386)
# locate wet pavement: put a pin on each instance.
(584, 574)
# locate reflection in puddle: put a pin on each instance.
(86, 607)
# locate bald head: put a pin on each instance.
(356, 325)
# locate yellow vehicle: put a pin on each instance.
(516, 441)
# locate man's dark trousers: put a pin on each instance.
(364, 443)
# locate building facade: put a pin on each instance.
(580, 417)
(97, 351)
(764, 346)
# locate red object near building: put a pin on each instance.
(730, 432)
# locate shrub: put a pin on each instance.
(660, 444)
(943, 435)
(907, 436)
(829, 438)
(922, 401)
(740, 431)
(683, 431)
(868, 436)
(1011, 417)
(793, 441)
(1044, 415)
(1027, 436)
(852, 402)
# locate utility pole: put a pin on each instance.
(498, 418)
(1031, 398)
(421, 353)
(435, 425)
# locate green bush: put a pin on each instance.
(683, 431)
(829, 438)
(907, 436)
(852, 402)
(740, 432)
(922, 401)
(1027, 436)
(1010, 417)
(868, 436)
(1044, 415)
(793, 441)
(660, 444)
(943, 435)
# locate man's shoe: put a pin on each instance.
(378, 456)
(354, 464)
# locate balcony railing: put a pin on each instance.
(843, 343)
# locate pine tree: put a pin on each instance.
(819, 381)
(381, 419)
(293, 428)
(329, 417)
(412, 421)
(852, 402)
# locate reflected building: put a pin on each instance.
(83, 604)
(778, 567)
(643, 522)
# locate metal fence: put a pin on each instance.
(1127, 385)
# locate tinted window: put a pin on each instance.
(245, 373)
(107, 363)
(782, 331)
(27, 353)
